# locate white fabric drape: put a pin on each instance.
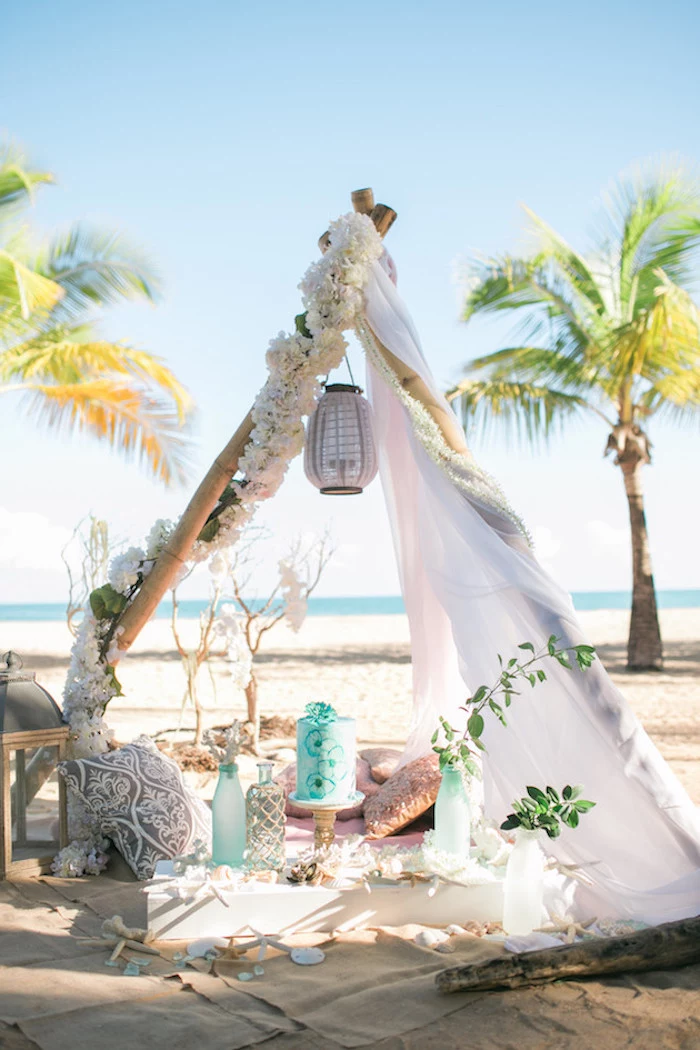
(473, 589)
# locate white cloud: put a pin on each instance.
(606, 535)
(28, 540)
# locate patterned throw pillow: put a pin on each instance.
(141, 802)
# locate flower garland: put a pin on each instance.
(332, 297)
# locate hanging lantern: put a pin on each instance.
(340, 458)
(33, 737)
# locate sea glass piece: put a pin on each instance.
(307, 956)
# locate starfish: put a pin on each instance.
(260, 941)
(568, 926)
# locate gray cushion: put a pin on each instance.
(141, 802)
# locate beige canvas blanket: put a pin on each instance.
(376, 988)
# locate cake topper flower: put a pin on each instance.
(320, 714)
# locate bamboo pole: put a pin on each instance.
(174, 554)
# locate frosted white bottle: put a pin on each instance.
(523, 890)
(453, 814)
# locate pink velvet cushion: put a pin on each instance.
(382, 762)
(408, 793)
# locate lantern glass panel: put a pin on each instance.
(34, 800)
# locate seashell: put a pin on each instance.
(307, 956)
(223, 873)
(429, 938)
(454, 930)
(445, 947)
(304, 873)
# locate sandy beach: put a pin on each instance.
(362, 665)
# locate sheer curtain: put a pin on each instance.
(473, 589)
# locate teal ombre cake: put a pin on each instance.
(325, 755)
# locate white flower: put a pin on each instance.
(124, 569)
(159, 535)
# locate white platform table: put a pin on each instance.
(285, 907)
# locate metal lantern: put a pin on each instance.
(340, 458)
(33, 739)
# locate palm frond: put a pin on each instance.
(527, 410)
(131, 421)
(499, 283)
(95, 268)
(662, 341)
(17, 179)
(653, 218)
(578, 273)
(24, 291)
(69, 356)
(542, 366)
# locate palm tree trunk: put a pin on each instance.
(644, 649)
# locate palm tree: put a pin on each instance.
(614, 335)
(50, 350)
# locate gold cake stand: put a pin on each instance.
(324, 815)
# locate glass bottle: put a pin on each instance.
(453, 814)
(523, 889)
(228, 818)
(265, 822)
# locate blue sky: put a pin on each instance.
(223, 136)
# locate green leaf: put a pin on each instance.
(542, 677)
(512, 662)
(554, 795)
(113, 680)
(537, 794)
(300, 325)
(106, 602)
(552, 644)
(563, 659)
(475, 726)
(209, 531)
(479, 695)
(573, 819)
(511, 822)
(433, 739)
(532, 680)
(583, 806)
(566, 793)
(527, 645)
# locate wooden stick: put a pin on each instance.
(363, 200)
(175, 553)
(657, 948)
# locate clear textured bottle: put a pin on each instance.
(453, 814)
(523, 890)
(228, 818)
(265, 822)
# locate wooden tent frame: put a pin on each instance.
(175, 553)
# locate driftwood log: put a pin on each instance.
(658, 948)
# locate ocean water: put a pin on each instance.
(357, 606)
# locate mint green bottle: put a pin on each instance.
(228, 818)
(453, 814)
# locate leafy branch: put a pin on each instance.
(462, 749)
(547, 810)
